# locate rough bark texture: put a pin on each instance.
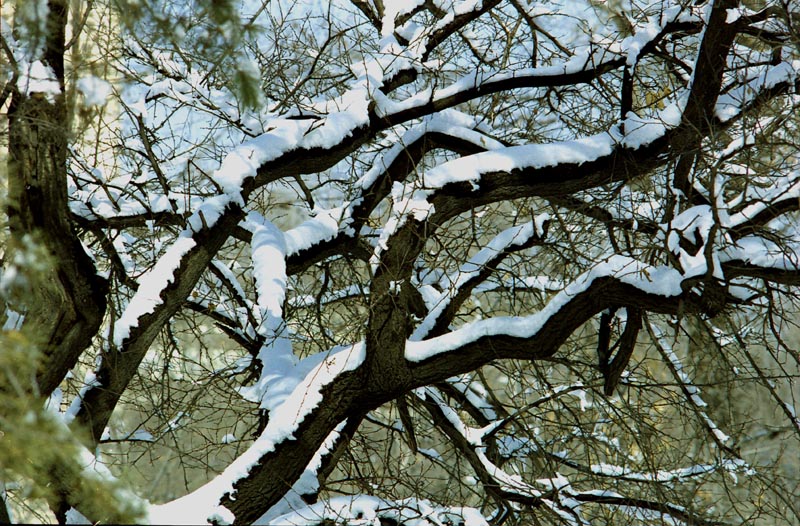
(389, 375)
(68, 302)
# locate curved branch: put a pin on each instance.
(402, 160)
(540, 335)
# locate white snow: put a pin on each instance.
(324, 226)
(269, 264)
(394, 287)
(37, 78)
(633, 44)
(611, 470)
(448, 122)
(730, 104)
(284, 420)
(762, 253)
(366, 510)
(307, 483)
(694, 224)
(411, 199)
(339, 118)
(95, 90)
(513, 236)
(76, 517)
(207, 213)
(640, 131)
(787, 188)
(90, 381)
(529, 156)
(151, 285)
(14, 319)
(280, 373)
(661, 281)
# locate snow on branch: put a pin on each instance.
(311, 376)
(448, 122)
(293, 502)
(151, 286)
(278, 364)
(347, 219)
(516, 236)
(585, 64)
(660, 281)
(731, 104)
(661, 476)
(414, 199)
(691, 391)
(268, 254)
(366, 509)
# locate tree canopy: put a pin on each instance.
(422, 262)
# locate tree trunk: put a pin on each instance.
(65, 303)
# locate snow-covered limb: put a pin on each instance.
(586, 64)
(442, 309)
(623, 270)
(335, 230)
(678, 123)
(307, 486)
(357, 508)
(625, 121)
(289, 415)
(664, 282)
(151, 286)
(268, 247)
(690, 391)
(622, 473)
(307, 300)
(531, 169)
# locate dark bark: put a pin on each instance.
(388, 374)
(277, 470)
(77, 295)
(355, 392)
(625, 346)
(66, 305)
(604, 341)
(5, 517)
(622, 164)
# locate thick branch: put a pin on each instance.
(603, 293)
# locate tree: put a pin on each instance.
(396, 262)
